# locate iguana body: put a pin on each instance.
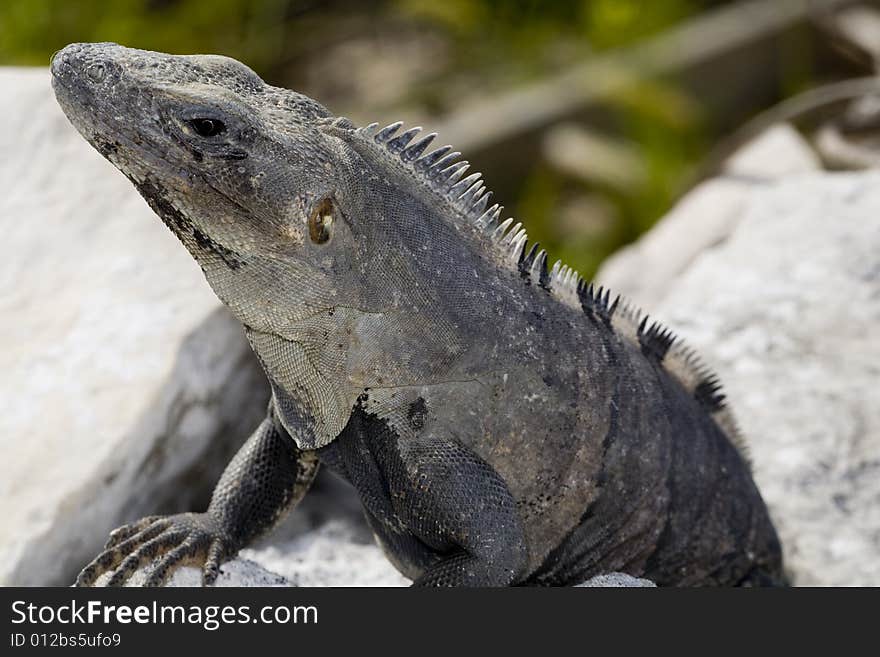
(502, 424)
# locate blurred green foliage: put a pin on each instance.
(489, 45)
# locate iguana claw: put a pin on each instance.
(165, 542)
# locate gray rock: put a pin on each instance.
(243, 572)
(238, 572)
(325, 556)
(617, 580)
(786, 309)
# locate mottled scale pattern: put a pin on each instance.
(503, 421)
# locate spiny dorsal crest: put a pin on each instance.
(662, 346)
(443, 172)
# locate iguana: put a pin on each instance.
(503, 423)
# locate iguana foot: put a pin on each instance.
(168, 542)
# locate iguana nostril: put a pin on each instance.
(96, 72)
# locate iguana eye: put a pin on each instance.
(321, 222)
(207, 127)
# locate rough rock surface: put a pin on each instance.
(617, 580)
(240, 572)
(786, 310)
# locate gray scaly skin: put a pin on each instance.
(502, 423)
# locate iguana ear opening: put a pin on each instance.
(321, 221)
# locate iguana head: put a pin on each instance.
(238, 170)
(338, 247)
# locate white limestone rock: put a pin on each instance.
(617, 580)
(243, 572)
(778, 152)
(238, 572)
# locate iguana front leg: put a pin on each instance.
(467, 511)
(443, 515)
(264, 480)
